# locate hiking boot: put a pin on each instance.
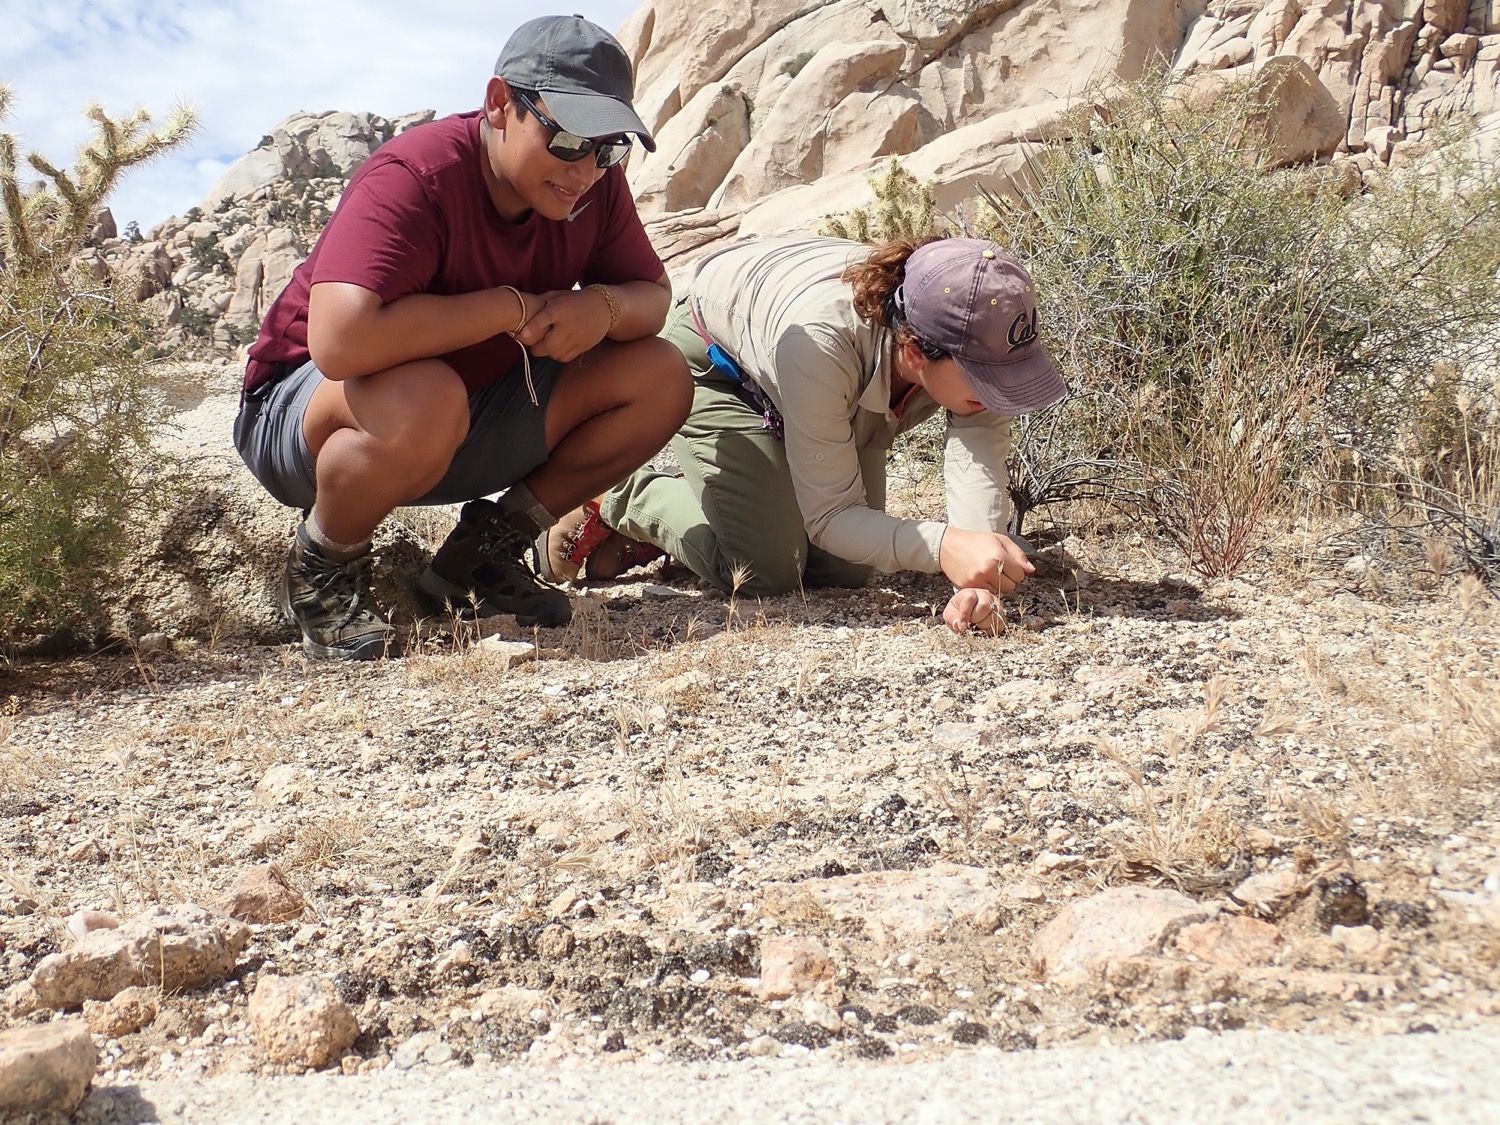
(480, 571)
(327, 600)
(582, 545)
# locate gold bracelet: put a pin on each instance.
(615, 311)
(525, 316)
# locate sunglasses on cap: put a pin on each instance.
(606, 151)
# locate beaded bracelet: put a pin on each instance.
(615, 311)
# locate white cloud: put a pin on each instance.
(243, 65)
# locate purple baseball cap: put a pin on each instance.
(976, 302)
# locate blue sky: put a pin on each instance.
(243, 65)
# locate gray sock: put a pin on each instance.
(330, 549)
(519, 501)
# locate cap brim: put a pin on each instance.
(1018, 387)
(595, 115)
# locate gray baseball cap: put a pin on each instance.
(581, 70)
(975, 301)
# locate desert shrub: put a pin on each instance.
(1204, 302)
(208, 255)
(195, 321)
(1439, 487)
(77, 470)
(793, 66)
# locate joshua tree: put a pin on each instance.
(45, 228)
(75, 400)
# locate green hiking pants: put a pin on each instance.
(733, 513)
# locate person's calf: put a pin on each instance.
(382, 441)
(609, 413)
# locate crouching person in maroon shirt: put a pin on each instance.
(433, 348)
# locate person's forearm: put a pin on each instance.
(863, 535)
(350, 335)
(643, 308)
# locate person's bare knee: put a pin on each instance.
(648, 373)
(409, 419)
(382, 440)
(662, 376)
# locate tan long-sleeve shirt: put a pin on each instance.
(779, 308)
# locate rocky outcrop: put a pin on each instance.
(308, 145)
(172, 949)
(213, 272)
(834, 89)
(770, 116)
(961, 89)
(212, 276)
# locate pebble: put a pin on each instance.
(410, 1053)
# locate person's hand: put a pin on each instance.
(570, 323)
(982, 560)
(974, 609)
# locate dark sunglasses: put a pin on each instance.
(607, 151)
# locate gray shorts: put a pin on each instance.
(507, 436)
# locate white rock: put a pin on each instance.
(81, 923)
(816, 1012)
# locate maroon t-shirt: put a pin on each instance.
(417, 218)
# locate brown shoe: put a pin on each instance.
(481, 570)
(583, 546)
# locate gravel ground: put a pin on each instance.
(552, 872)
(1244, 1077)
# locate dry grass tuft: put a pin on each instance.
(589, 636)
(1323, 818)
(19, 770)
(661, 813)
(966, 794)
(739, 575)
(1457, 738)
(326, 841)
(1182, 829)
(684, 679)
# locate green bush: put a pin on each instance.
(1199, 298)
(77, 471)
(793, 66)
